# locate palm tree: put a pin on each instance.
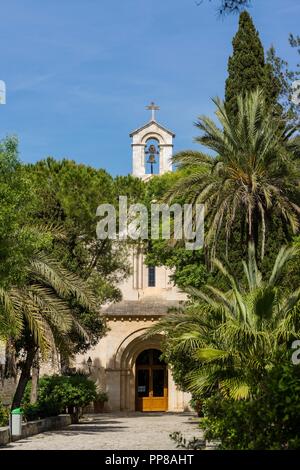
(39, 314)
(254, 173)
(235, 336)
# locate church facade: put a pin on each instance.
(125, 363)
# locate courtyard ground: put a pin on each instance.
(115, 432)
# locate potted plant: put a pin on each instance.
(99, 401)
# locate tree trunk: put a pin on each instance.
(243, 229)
(74, 412)
(35, 379)
(24, 377)
(64, 365)
(253, 235)
(10, 369)
(255, 225)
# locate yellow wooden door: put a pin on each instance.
(151, 386)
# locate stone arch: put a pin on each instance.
(153, 135)
(136, 347)
(125, 359)
(124, 345)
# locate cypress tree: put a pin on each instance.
(247, 68)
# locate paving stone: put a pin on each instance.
(115, 431)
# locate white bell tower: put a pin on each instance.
(162, 146)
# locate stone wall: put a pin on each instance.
(7, 390)
(35, 427)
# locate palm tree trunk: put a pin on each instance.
(10, 369)
(255, 225)
(253, 232)
(35, 379)
(243, 235)
(24, 377)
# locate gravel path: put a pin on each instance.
(148, 431)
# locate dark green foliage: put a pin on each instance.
(93, 323)
(228, 340)
(286, 77)
(101, 397)
(292, 270)
(269, 421)
(73, 391)
(68, 195)
(17, 241)
(130, 186)
(183, 443)
(4, 415)
(188, 266)
(58, 394)
(182, 363)
(158, 185)
(247, 69)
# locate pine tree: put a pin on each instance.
(247, 69)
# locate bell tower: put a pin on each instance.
(152, 146)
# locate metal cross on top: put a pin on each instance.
(153, 107)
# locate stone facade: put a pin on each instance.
(113, 360)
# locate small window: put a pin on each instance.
(151, 276)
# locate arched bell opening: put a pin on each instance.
(152, 155)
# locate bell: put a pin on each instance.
(151, 159)
(152, 151)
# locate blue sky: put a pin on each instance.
(80, 72)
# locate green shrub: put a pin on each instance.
(4, 415)
(32, 412)
(101, 396)
(58, 394)
(47, 403)
(182, 443)
(75, 391)
(270, 420)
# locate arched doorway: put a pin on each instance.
(151, 381)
